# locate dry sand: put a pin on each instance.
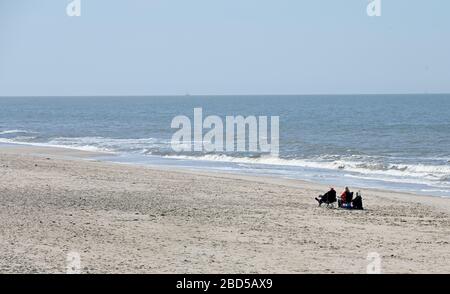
(130, 219)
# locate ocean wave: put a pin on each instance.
(7, 132)
(132, 145)
(362, 165)
(139, 145)
(428, 172)
(80, 147)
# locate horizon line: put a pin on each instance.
(218, 95)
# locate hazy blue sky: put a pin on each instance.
(157, 47)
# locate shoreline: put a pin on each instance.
(80, 153)
(124, 218)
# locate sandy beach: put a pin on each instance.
(131, 219)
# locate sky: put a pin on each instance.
(223, 47)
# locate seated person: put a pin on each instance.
(346, 198)
(357, 202)
(328, 198)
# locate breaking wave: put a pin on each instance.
(7, 132)
(435, 171)
(429, 172)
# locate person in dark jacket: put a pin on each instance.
(357, 202)
(328, 198)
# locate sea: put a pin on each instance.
(395, 142)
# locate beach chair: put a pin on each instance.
(348, 202)
(329, 201)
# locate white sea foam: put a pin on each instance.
(362, 166)
(139, 145)
(6, 132)
(80, 147)
(428, 172)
